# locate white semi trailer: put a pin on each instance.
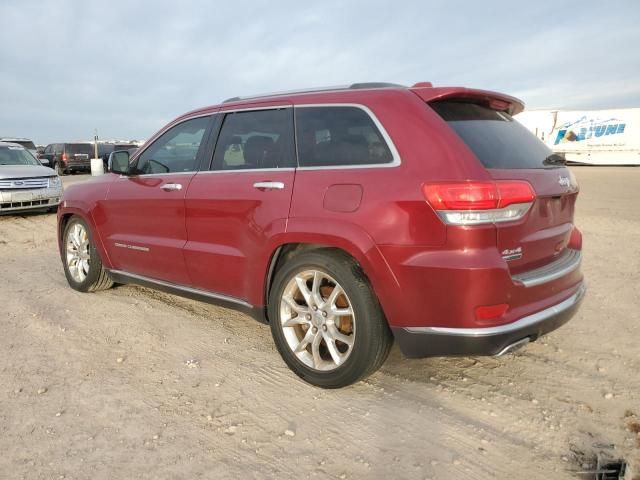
(596, 137)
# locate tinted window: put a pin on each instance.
(79, 148)
(255, 139)
(48, 149)
(16, 156)
(496, 138)
(25, 143)
(175, 150)
(333, 136)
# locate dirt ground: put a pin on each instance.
(131, 383)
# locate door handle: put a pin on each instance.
(169, 187)
(269, 185)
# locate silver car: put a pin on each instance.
(24, 183)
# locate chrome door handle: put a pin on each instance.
(169, 187)
(269, 185)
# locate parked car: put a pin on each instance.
(25, 184)
(344, 218)
(68, 157)
(105, 150)
(25, 142)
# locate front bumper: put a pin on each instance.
(417, 342)
(24, 200)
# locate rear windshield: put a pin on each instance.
(25, 143)
(496, 138)
(79, 148)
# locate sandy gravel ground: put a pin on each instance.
(132, 383)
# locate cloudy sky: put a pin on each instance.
(127, 67)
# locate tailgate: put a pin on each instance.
(508, 151)
(543, 234)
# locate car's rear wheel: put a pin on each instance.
(326, 321)
(82, 265)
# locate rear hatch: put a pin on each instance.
(510, 152)
(79, 151)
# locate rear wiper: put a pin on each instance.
(554, 159)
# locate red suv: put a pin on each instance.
(345, 218)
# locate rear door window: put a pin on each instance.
(259, 139)
(334, 136)
(496, 139)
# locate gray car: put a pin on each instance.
(25, 184)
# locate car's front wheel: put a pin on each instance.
(326, 321)
(82, 265)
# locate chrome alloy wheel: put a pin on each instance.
(317, 320)
(78, 256)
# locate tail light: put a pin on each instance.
(475, 203)
(64, 157)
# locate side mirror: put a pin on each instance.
(44, 161)
(119, 162)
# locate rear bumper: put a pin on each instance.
(416, 342)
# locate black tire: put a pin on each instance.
(372, 336)
(59, 169)
(98, 277)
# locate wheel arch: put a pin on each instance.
(65, 216)
(354, 242)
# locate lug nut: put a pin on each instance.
(314, 330)
(324, 327)
(314, 308)
(308, 316)
(324, 314)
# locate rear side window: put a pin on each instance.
(496, 139)
(339, 136)
(256, 139)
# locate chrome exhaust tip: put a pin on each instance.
(513, 347)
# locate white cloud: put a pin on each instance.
(128, 67)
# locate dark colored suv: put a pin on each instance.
(345, 218)
(105, 150)
(68, 157)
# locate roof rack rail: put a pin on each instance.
(353, 86)
(357, 86)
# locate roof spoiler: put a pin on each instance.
(493, 100)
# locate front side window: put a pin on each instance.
(255, 140)
(339, 136)
(176, 150)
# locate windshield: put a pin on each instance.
(495, 137)
(16, 156)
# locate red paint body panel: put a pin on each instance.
(229, 225)
(143, 226)
(219, 233)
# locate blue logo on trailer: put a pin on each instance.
(585, 129)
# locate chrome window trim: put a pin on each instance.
(249, 109)
(247, 170)
(385, 135)
(524, 322)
